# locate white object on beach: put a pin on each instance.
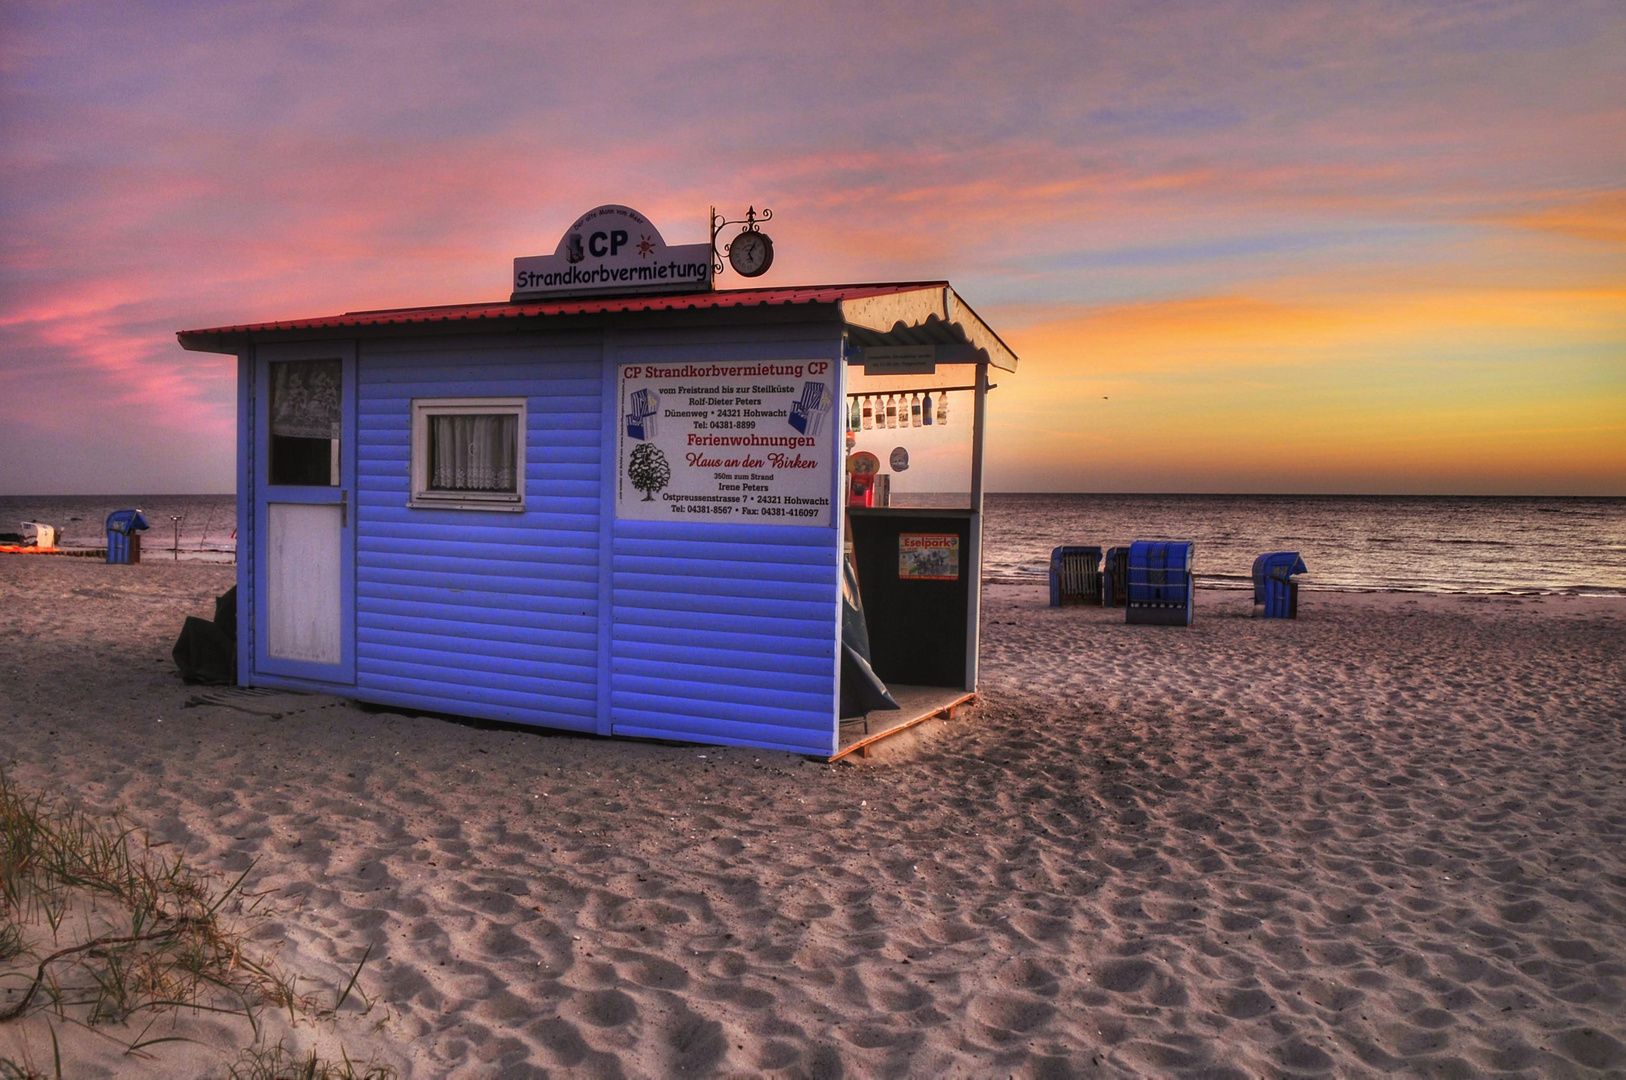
(38, 534)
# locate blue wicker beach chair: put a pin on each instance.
(124, 536)
(1075, 576)
(1274, 589)
(1161, 589)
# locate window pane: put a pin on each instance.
(306, 421)
(473, 453)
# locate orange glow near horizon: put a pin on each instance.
(1358, 393)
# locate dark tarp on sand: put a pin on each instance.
(862, 690)
(206, 652)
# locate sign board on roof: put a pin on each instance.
(613, 249)
(900, 360)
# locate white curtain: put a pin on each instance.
(305, 396)
(473, 453)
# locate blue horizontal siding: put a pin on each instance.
(626, 634)
(562, 511)
(778, 538)
(547, 646)
(411, 694)
(739, 661)
(542, 461)
(503, 697)
(523, 542)
(566, 408)
(720, 569)
(546, 491)
(725, 601)
(725, 633)
(397, 522)
(483, 561)
(492, 614)
(715, 633)
(755, 587)
(725, 733)
(381, 511)
(479, 673)
(739, 685)
(561, 615)
(762, 554)
(521, 582)
(692, 713)
(432, 374)
(700, 625)
(558, 440)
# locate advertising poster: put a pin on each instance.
(747, 442)
(929, 556)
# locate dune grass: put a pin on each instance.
(102, 927)
(280, 1063)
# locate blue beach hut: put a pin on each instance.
(614, 503)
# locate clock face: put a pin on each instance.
(751, 254)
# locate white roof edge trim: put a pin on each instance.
(914, 308)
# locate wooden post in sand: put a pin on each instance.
(979, 425)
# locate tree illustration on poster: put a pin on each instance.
(648, 470)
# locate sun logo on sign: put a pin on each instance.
(645, 246)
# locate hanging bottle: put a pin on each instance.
(942, 408)
(855, 415)
(891, 411)
(926, 409)
(914, 410)
(869, 413)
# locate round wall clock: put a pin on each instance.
(751, 254)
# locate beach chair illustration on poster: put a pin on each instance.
(1161, 591)
(1275, 593)
(808, 414)
(642, 408)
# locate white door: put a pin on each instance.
(303, 562)
(304, 528)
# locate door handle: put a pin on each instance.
(344, 508)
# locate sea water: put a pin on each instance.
(191, 528)
(1466, 544)
(1437, 544)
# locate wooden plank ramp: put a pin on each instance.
(917, 704)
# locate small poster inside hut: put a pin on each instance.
(929, 556)
(745, 442)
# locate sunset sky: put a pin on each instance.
(1239, 246)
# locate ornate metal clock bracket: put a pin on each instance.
(752, 220)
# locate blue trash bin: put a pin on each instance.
(1075, 576)
(1114, 577)
(124, 536)
(1161, 591)
(1273, 586)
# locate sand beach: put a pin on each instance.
(1387, 839)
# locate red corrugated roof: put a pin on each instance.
(591, 305)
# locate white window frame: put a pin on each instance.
(421, 496)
